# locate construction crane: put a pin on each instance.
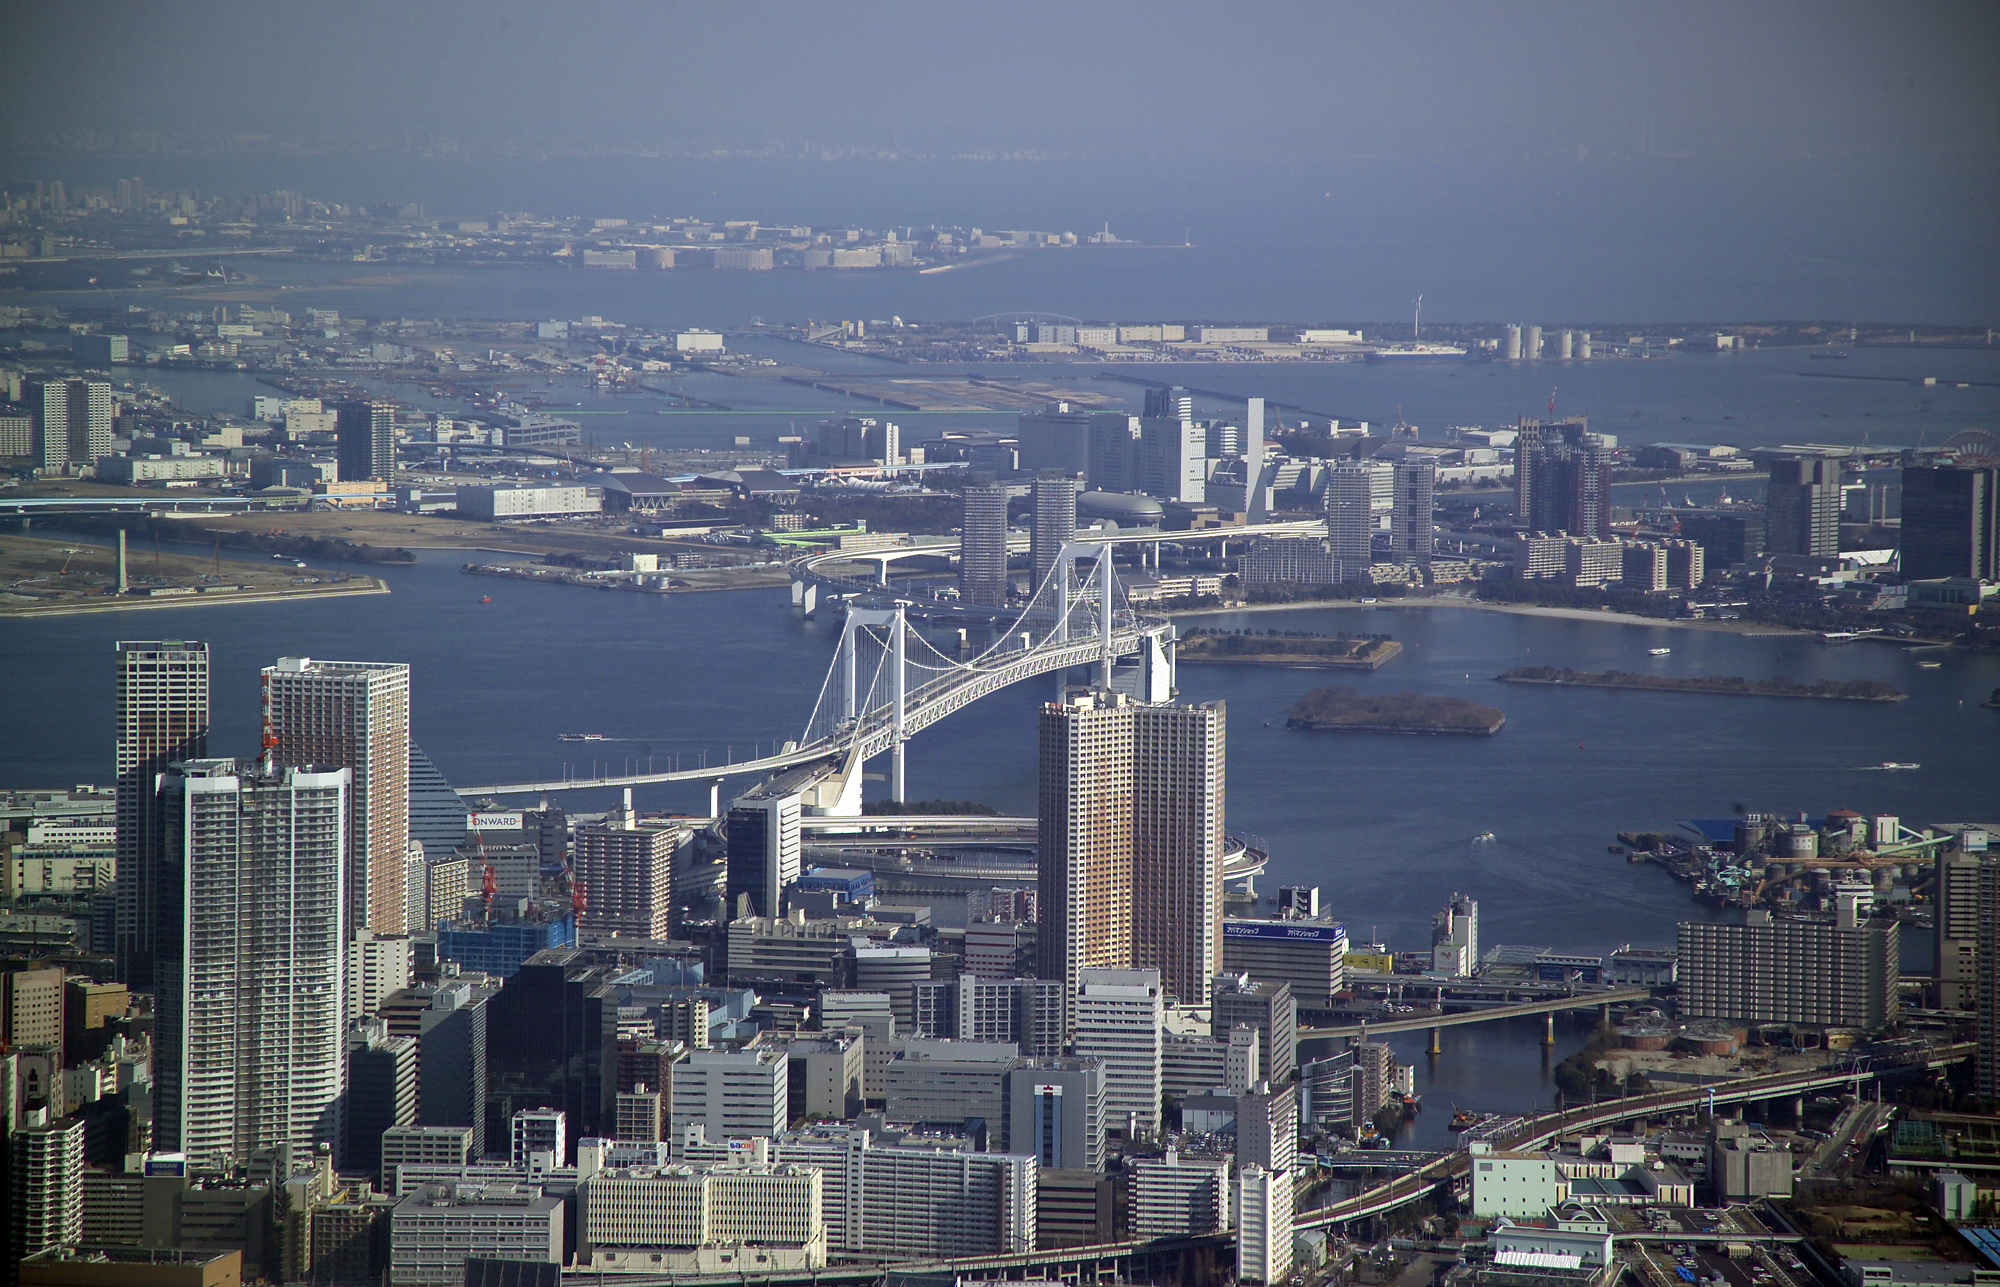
(489, 879)
(68, 554)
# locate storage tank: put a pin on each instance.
(1531, 343)
(1565, 345)
(1510, 346)
(1750, 833)
(1583, 346)
(1801, 841)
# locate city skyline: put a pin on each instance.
(902, 645)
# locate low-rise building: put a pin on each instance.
(741, 1218)
(528, 500)
(1519, 1185)
(434, 1230)
(1310, 956)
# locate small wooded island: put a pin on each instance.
(1313, 652)
(1847, 690)
(1347, 711)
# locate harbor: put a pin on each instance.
(1799, 862)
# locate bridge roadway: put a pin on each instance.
(1405, 1189)
(1416, 1023)
(924, 705)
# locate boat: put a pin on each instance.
(1462, 1120)
(1415, 352)
(1614, 849)
(1659, 652)
(1900, 764)
(1484, 835)
(486, 598)
(579, 737)
(1929, 665)
(1828, 355)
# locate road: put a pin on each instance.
(1538, 1131)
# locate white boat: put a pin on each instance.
(1659, 652)
(1484, 835)
(1900, 764)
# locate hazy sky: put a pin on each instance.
(1169, 79)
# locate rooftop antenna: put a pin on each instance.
(1417, 322)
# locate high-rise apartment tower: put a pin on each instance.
(251, 962)
(354, 715)
(982, 563)
(1131, 838)
(365, 440)
(162, 717)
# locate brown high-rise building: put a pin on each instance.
(626, 869)
(162, 717)
(354, 715)
(1131, 841)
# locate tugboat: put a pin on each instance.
(1461, 1120)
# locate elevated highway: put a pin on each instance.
(1547, 1005)
(1538, 1131)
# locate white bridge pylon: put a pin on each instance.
(888, 682)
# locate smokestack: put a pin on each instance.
(122, 584)
(628, 821)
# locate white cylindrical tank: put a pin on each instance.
(1510, 347)
(1583, 346)
(1565, 345)
(1531, 343)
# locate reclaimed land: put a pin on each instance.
(1311, 652)
(44, 578)
(1346, 711)
(1851, 690)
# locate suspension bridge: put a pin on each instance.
(887, 682)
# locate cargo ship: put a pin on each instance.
(1416, 352)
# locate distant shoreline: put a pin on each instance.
(1517, 609)
(25, 612)
(1705, 685)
